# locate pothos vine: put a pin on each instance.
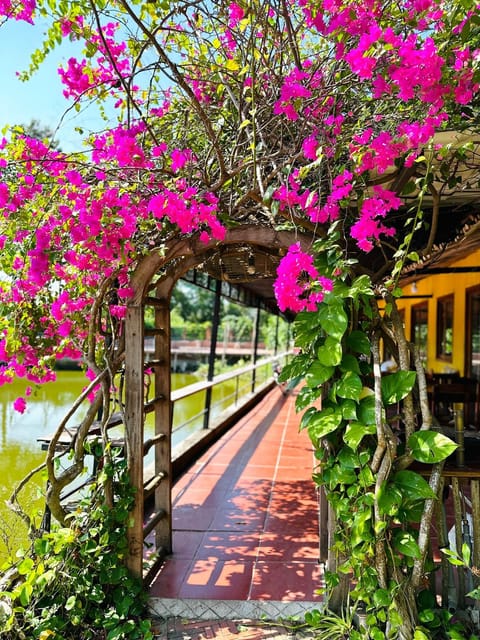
(369, 432)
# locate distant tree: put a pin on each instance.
(35, 129)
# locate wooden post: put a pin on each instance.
(134, 418)
(163, 417)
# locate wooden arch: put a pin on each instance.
(152, 283)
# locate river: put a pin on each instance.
(20, 451)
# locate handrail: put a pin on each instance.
(195, 387)
(198, 387)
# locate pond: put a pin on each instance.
(20, 452)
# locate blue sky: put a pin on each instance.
(41, 98)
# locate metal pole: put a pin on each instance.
(275, 347)
(213, 350)
(255, 347)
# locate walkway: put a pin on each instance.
(245, 525)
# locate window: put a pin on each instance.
(419, 322)
(445, 327)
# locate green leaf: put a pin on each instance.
(349, 409)
(355, 432)
(348, 458)
(295, 367)
(317, 374)
(430, 446)
(339, 475)
(366, 410)
(406, 544)
(349, 363)
(333, 319)
(330, 353)
(25, 593)
(466, 554)
(382, 598)
(25, 566)
(358, 341)
(421, 635)
(70, 603)
(396, 386)
(324, 422)
(306, 328)
(389, 499)
(366, 477)
(413, 485)
(361, 285)
(307, 416)
(306, 397)
(349, 386)
(452, 557)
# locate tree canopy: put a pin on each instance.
(297, 114)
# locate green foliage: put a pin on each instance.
(74, 583)
(337, 364)
(331, 626)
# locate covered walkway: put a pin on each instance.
(246, 524)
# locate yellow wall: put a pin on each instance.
(437, 286)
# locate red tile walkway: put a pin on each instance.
(246, 521)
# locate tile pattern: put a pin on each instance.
(245, 516)
(178, 629)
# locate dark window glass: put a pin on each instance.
(420, 328)
(445, 327)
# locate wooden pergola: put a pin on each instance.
(249, 256)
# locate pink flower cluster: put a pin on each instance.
(368, 228)
(19, 10)
(293, 90)
(57, 256)
(236, 13)
(185, 209)
(299, 286)
(81, 77)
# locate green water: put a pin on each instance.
(20, 451)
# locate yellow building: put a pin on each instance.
(441, 312)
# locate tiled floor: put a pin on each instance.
(246, 515)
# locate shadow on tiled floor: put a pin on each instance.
(245, 516)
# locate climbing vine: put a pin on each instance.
(367, 442)
(75, 584)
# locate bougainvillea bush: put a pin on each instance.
(321, 116)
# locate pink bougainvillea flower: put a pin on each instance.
(20, 405)
(118, 311)
(368, 228)
(299, 286)
(235, 13)
(180, 157)
(310, 147)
